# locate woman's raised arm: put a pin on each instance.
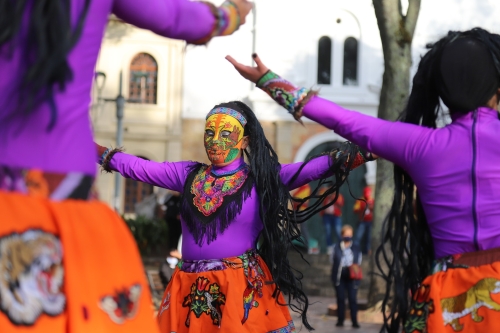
(398, 142)
(193, 21)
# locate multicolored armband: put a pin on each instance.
(285, 93)
(227, 21)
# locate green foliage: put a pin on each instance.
(150, 234)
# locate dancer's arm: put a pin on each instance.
(193, 21)
(169, 175)
(398, 142)
(319, 167)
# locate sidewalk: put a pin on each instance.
(322, 323)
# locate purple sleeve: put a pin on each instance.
(397, 142)
(313, 170)
(179, 19)
(169, 175)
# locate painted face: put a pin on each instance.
(223, 138)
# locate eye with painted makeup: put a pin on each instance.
(209, 132)
(225, 134)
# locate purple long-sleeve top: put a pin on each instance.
(242, 233)
(456, 169)
(24, 140)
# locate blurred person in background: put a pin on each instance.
(364, 211)
(332, 219)
(345, 253)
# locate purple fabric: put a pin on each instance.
(242, 234)
(442, 164)
(25, 142)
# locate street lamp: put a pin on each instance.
(100, 80)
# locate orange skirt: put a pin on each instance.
(228, 295)
(69, 266)
(463, 298)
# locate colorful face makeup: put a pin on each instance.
(223, 135)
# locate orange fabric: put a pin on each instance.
(99, 259)
(458, 300)
(266, 316)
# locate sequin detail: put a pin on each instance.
(209, 191)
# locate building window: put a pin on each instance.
(350, 77)
(324, 60)
(135, 192)
(143, 79)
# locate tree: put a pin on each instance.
(396, 32)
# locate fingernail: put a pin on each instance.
(254, 55)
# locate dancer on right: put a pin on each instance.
(444, 236)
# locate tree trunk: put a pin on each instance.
(396, 33)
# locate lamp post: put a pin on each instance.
(100, 79)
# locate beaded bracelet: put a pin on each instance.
(285, 93)
(107, 158)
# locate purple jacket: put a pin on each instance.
(25, 142)
(241, 235)
(456, 169)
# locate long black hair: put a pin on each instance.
(463, 70)
(45, 46)
(280, 219)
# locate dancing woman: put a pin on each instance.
(68, 264)
(237, 227)
(443, 228)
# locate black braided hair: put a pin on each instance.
(50, 38)
(406, 254)
(279, 219)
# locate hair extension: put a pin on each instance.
(406, 254)
(50, 36)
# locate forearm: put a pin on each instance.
(195, 22)
(170, 175)
(395, 141)
(348, 154)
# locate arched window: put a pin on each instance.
(143, 79)
(350, 76)
(135, 192)
(324, 60)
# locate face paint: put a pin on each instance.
(223, 138)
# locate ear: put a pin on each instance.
(245, 141)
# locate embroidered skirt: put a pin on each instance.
(227, 295)
(68, 265)
(463, 295)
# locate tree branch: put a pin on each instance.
(411, 17)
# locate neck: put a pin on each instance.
(231, 166)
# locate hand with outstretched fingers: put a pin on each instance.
(248, 72)
(244, 8)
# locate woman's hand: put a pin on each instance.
(244, 8)
(248, 72)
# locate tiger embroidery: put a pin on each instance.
(469, 302)
(31, 276)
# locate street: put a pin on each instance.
(322, 323)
